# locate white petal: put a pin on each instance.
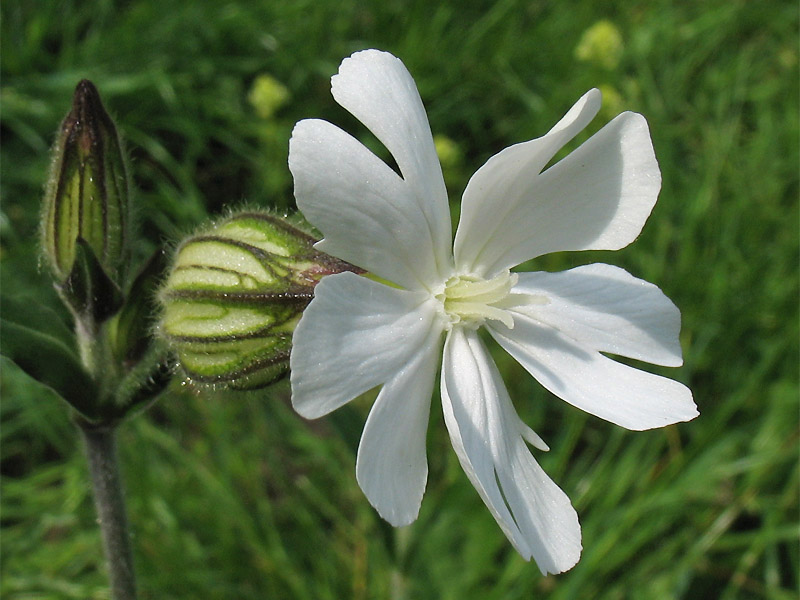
(629, 397)
(597, 198)
(379, 91)
(606, 308)
(506, 180)
(533, 438)
(370, 217)
(392, 467)
(533, 512)
(354, 335)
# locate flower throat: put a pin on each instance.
(469, 300)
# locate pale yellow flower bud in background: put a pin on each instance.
(601, 44)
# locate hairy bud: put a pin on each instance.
(235, 294)
(87, 192)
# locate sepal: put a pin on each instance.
(88, 291)
(234, 296)
(134, 326)
(146, 379)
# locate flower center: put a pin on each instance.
(469, 300)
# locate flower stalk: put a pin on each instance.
(101, 453)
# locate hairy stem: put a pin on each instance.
(101, 452)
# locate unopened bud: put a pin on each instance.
(87, 192)
(235, 294)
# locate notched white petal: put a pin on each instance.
(623, 395)
(532, 511)
(597, 198)
(607, 309)
(370, 217)
(494, 192)
(354, 335)
(391, 467)
(379, 91)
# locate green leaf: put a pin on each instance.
(29, 311)
(51, 362)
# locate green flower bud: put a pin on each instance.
(234, 296)
(87, 191)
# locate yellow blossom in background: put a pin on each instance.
(267, 95)
(448, 151)
(601, 44)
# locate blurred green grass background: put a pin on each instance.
(233, 495)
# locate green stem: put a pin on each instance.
(101, 453)
(402, 542)
(96, 353)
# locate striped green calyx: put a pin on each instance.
(234, 296)
(87, 192)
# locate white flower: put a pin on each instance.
(359, 333)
